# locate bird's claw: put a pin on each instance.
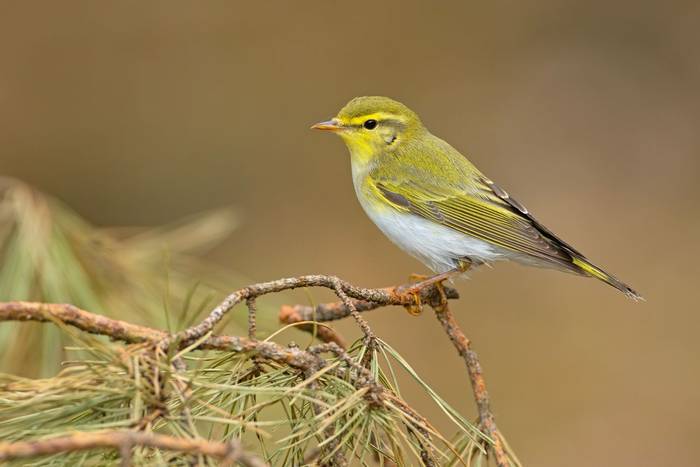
(421, 281)
(442, 305)
(416, 308)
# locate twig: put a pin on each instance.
(364, 325)
(370, 339)
(344, 290)
(132, 333)
(324, 333)
(123, 440)
(83, 320)
(252, 318)
(256, 290)
(339, 310)
(487, 421)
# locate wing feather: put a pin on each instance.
(487, 213)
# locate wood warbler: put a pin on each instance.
(435, 204)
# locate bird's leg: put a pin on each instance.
(414, 278)
(426, 281)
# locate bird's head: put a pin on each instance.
(371, 125)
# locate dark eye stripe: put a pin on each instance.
(391, 122)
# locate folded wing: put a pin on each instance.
(485, 212)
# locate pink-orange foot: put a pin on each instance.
(419, 283)
(436, 281)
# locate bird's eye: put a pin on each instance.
(370, 124)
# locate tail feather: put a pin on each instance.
(591, 270)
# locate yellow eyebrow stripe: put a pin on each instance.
(379, 116)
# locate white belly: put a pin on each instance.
(437, 246)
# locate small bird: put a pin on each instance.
(436, 205)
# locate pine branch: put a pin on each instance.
(124, 441)
(353, 301)
(339, 310)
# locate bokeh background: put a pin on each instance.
(139, 113)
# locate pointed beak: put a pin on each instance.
(330, 125)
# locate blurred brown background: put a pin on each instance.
(139, 113)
